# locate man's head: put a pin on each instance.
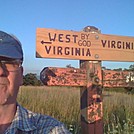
(11, 71)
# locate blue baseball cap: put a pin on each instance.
(10, 46)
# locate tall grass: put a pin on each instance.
(118, 113)
(63, 104)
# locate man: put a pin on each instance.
(14, 119)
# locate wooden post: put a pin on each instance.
(91, 99)
(91, 95)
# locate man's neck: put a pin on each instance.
(7, 113)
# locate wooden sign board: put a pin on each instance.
(52, 76)
(52, 43)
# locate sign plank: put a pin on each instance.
(52, 76)
(52, 43)
(118, 78)
(63, 76)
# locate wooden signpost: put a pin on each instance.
(90, 47)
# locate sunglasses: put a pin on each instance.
(10, 65)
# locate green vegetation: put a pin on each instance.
(128, 90)
(64, 104)
(31, 79)
(118, 113)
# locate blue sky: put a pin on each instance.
(22, 17)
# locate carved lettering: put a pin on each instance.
(58, 50)
(62, 37)
(117, 44)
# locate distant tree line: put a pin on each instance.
(131, 68)
(31, 79)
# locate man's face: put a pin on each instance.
(11, 77)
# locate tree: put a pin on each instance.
(131, 67)
(104, 68)
(118, 69)
(69, 66)
(31, 79)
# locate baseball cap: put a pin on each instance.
(10, 46)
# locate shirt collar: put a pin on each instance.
(24, 120)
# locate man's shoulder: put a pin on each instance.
(40, 119)
(43, 123)
(48, 124)
(45, 120)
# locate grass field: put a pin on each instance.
(63, 103)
